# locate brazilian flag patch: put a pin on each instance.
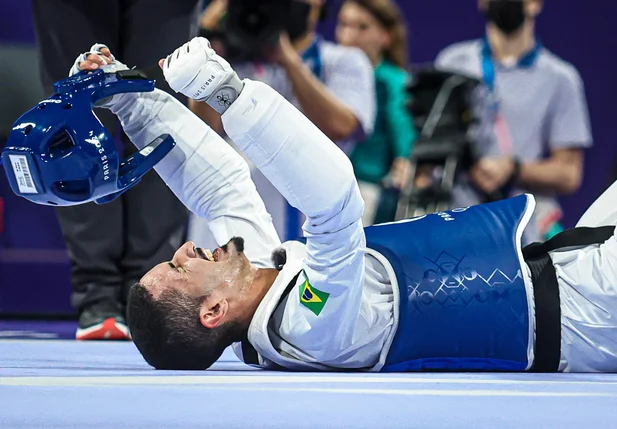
(312, 298)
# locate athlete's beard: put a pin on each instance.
(241, 267)
(238, 243)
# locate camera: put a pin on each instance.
(442, 107)
(252, 27)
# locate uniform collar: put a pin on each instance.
(526, 61)
(257, 348)
(312, 48)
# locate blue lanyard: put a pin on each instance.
(312, 58)
(488, 65)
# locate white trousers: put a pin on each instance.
(587, 280)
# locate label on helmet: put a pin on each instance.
(146, 151)
(22, 174)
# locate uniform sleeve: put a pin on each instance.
(351, 79)
(315, 177)
(568, 124)
(401, 130)
(204, 172)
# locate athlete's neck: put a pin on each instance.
(262, 282)
(511, 48)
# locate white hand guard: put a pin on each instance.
(110, 68)
(195, 70)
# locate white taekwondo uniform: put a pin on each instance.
(355, 326)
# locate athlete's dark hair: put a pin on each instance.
(168, 333)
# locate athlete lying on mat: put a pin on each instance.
(449, 291)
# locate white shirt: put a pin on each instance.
(345, 71)
(357, 321)
(544, 107)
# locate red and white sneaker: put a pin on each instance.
(102, 321)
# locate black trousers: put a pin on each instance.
(111, 246)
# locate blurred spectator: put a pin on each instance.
(381, 162)
(541, 99)
(111, 246)
(332, 85)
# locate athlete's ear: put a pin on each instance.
(213, 311)
(161, 62)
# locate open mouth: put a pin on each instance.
(207, 254)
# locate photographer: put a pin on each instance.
(332, 85)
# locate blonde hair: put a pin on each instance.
(388, 14)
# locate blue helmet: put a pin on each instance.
(58, 153)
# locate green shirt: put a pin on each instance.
(394, 132)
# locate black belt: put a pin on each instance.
(547, 353)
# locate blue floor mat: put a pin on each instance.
(69, 384)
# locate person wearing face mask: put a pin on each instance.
(536, 106)
(332, 85)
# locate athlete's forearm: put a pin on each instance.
(309, 170)
(317, 178)
(204, 172)
(201, 163)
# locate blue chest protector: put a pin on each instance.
(463, 301)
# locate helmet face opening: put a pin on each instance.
(61, 144)
(73, 190)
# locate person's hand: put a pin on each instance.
(98, 57)
(95, 61)
(284, 53)
(490, 174)
(197, 71)
(400, 173)
(213, 14)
